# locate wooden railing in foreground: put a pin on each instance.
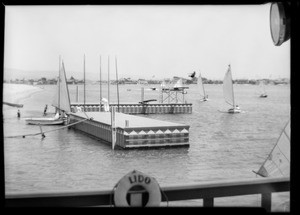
(206, 191)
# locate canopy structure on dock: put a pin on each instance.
(173, 95)
(132, 131)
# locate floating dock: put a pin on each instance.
(132, 131)
(139, 108)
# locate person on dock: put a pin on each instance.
(79, 109)
(106, 105)
(45, 110)
(19, 113)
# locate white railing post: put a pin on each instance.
(113, 127)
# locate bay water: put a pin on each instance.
(222, 146)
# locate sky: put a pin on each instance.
(151, 42)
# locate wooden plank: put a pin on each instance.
(208, 202)
(141, 108)
(225, 188)
(266, 201)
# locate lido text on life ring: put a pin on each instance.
(136, 178)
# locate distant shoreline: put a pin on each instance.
(14, 93)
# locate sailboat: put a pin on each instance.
(163, 85)
(178, 84)
(61, 102)
(277, 163)
(201, 88)
(228, 92)
(263, 90)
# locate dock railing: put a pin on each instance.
(206, 191)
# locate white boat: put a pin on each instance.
(61, 102)
(228, 92)
(178, 84)
(263, 90)
(56, 120)
(203, 95)
(163, 85)
(277, 163)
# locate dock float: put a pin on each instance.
(132, 131)
(138, 108)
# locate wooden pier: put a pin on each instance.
(132, 131)
(139, 108)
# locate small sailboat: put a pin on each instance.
(277, 163)
(178, 84)
(56, 120)
(228, 92)
(61, 102)
(163, 85)
(203, 95)
(263, 90)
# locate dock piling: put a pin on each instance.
(113, 127)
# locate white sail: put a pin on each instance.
(277, 163)
(228, 88)
(178, 84)
(62, 99)
(262, 87)
(201, 87)
(263, 92)
(163, 85)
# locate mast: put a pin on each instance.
(100, 88)
(84, 82)
(108, 83)
(59, 84)
(117, 82)
(66, 86)
(232, 86)
(202, 85)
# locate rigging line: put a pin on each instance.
(283, 153)
(86, 115)
(117, 82)
(34, 134)
(287, 136)
(165, 195)
(229, 103)
(278, 168)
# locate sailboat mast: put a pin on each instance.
(108, 83)
(202, 85)
(100, 88)
(67, 89)
(84, 82)
(59, 84)
(117, 82)
(232, 86)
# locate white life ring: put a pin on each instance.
(136, 178)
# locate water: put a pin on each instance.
(222, 146)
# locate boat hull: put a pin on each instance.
(263, 96)
(36, 121)
(234, 111)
